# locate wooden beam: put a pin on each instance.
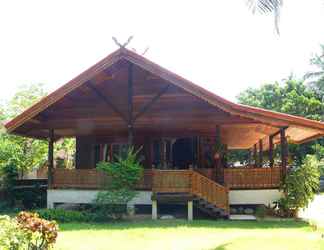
(271, 160)
(150, 103)
(130, 105)
(260, 153)
(284, 153)
(50, 157)
(106, 100)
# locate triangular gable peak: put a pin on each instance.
(88, 90)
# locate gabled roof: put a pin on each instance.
(297, 124)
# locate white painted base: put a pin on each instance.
(236, 197)
(88, 196)
(260, 196)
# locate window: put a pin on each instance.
(177, 153)
(109, 152)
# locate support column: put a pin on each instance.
(271, 160)
(260, 154)
(154, 210)
(250, 157)
(130, 106)
(190, 210)
(255, 155)
(50, 157)
(218, 157)
(284, 153)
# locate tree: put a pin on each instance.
(316, 78)
(292, 97)
(26, 153)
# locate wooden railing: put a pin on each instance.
(249, 178)
(171, 181)
(209, 190)
(91, 179)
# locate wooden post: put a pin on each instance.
(130, 105)
(255, 153)
(260, 154)
(154, 210)
(190, 210)
(50, 157)
(250, 157)
(218, 160)
(284, 153)
(271, 160)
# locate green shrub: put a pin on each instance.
(64, 216)
(9, 174)
(300, 186)
(125, 172)
(112, 204)
(261, 212)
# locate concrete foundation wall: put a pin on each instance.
(260, 196)
(88, 196)
(236, 197)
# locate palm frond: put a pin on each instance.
(265, 7)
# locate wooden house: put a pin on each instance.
(125, 99)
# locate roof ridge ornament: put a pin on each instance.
(123, 46)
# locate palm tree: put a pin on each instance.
(265, 7)
(316, 78)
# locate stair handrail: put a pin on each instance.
(210, 190)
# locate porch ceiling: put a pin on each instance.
(96, 103)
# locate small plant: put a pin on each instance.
(125, 174)
(300, 186)
(125, 171)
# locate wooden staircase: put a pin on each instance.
(209, 196)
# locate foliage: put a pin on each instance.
(125, 174)
(261, 212)
(27, 153)
(300, 186)
(11, 237)
(9, 174)
(66, 216)
(27, 231)
(266, 7)
(32, 197)
(125, 171)
(112, 204)
(40, 234)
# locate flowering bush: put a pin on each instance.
(27, 231)
(41, 234)
(11, 237)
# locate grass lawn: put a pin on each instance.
(179, 234)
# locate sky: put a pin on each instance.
(219, 45)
